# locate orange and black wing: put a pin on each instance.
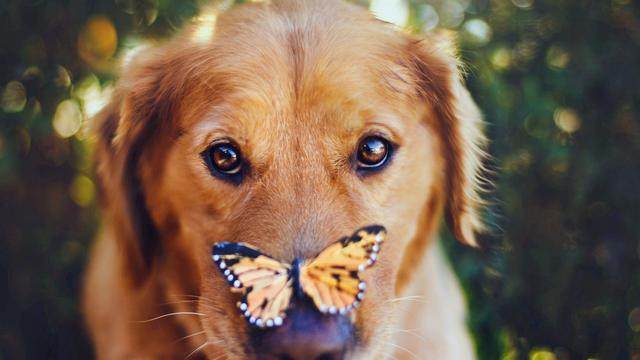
(332, 279)
(265, 283)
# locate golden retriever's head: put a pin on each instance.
(296, 123)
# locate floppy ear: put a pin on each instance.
(138, 111)
(459, 123)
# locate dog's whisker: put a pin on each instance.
(413, 355)
(172, 314)
(188, 296)
(196, 302)
(179, 302)
(389, 354)
(405, 298)
(410, 332)
(199, 299)
(195, 298)
(189, 336)
(196, 350)
(199, 348)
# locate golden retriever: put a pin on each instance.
(292, 125)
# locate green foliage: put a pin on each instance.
(557, 80)
(558, 85)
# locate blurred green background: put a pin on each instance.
(558, 81)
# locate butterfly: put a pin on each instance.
(331, 279)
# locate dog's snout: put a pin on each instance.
(306, 334)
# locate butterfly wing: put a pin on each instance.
(266, 283)
(332, 279)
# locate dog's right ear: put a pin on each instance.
(140, 109)
(459, 123)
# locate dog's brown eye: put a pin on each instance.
(225, 158)
(225, 161)
(373, 152)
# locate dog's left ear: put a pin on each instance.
(140, 109)
(459, 124)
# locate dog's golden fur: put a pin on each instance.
(296, 84)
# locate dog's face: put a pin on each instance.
(292, 127)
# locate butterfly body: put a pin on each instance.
(331, 279)
(295, 276)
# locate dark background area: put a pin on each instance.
(558, 81)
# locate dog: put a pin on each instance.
(285, 125)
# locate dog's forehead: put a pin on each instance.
(296, 68)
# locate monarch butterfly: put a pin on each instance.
(331, 279)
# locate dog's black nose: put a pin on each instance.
(306, 334)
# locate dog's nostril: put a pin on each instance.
(328, 356)
(325, 356)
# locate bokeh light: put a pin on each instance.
(131, 47)
(634, 319)
(93, 97)
(205, 27)
(501, 59)
(67, 119)
(393, 11)
(557, 57)
(14, 97)
(523, 4)
(63, 77)
(452, 14)
(542, 354)
(97, 41)
(428, 16)
(82, 190)
(567, 120)
(478, 31)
